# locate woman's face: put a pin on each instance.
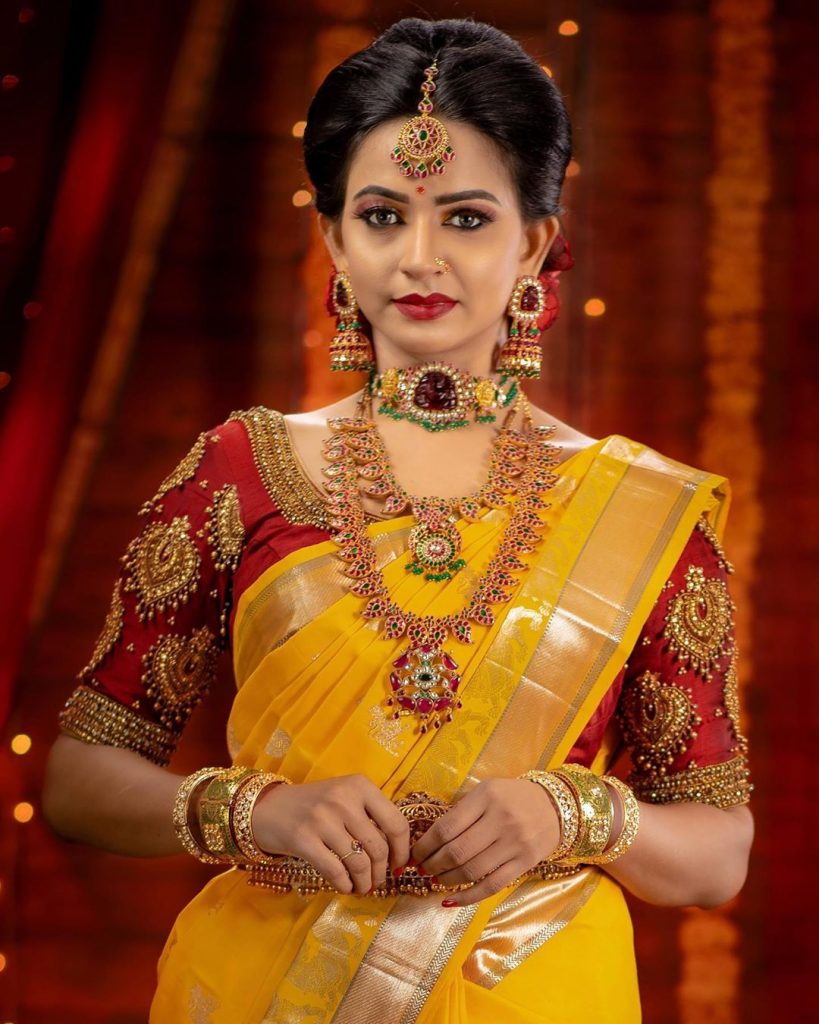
(392, 229)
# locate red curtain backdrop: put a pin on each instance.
(157, 272)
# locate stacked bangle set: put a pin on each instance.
(214, 808)
(220, 829)
(586, 811)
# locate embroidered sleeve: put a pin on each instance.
(679, 706)
(156, 655)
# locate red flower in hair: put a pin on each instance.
(559, 259)
(560, 256)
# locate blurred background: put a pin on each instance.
(159, 268)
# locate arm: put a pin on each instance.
(111, 798)
(679, 715)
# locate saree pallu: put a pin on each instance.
(311, 675)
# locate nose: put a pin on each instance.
(418, 256)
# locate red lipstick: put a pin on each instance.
(424, 307)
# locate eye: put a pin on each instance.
(379, 217)
(468, 220)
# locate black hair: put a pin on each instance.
(485, 79)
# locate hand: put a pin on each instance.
(319, 821)
(500, 829)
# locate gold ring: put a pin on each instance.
(357, 847)
(439, 261)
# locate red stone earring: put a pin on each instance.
(521, 355)
(350, 348)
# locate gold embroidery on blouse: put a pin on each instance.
(111, 631)
(178, 671)
(385, 730)
(698, 621)
(659, 721)
(226, 533)
(284, 481)
(731, 699)
(96, 718)
(163, 566)
(723, 785)
(183, 472)
(710, 534)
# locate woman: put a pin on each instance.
(435, 596)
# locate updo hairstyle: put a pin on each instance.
(485, 79)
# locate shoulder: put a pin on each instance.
(566, 437)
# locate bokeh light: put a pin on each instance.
(594, 307)
(568, 28)
(302, 198)
(23, 812)
(298, 129)
(21, 744)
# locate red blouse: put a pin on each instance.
(238, 502)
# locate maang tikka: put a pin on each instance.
(424, 139)
(350, 348)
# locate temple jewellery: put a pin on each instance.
(423, 140)
(439, 396)
(423, 680)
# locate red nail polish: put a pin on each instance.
(399, 871)
(412, 863)
(435, 880)
(448, 903)
(422, 870)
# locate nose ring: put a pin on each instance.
(439, 261)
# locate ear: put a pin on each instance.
(537, 240)
(331, 233)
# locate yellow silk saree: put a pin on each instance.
(311, 676)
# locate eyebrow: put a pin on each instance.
(450, 197)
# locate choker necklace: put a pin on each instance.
(424, 680)
(439, 396)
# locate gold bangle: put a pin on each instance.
(214, 812)
(567, 811)
(181, 810)
(631, 822)
(596, 811)
(241, 814)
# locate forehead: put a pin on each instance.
(477, 164)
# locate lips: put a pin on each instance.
(424, 307)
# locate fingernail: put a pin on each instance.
(448, 903)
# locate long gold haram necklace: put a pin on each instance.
(424, 679)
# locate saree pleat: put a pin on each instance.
(312, 684)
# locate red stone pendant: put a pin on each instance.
(424, 682)
(435, 392)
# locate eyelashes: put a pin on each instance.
(380, 217)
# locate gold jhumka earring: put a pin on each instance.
(350, 348)
(521, 355)
(423, 140)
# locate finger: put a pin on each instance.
(464, 848)
(357, 865)
(375, 845)
(328, 865)
(392, 823)
(479, 867)
(449, 826)
(500, 878)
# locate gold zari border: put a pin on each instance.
(95, 718)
